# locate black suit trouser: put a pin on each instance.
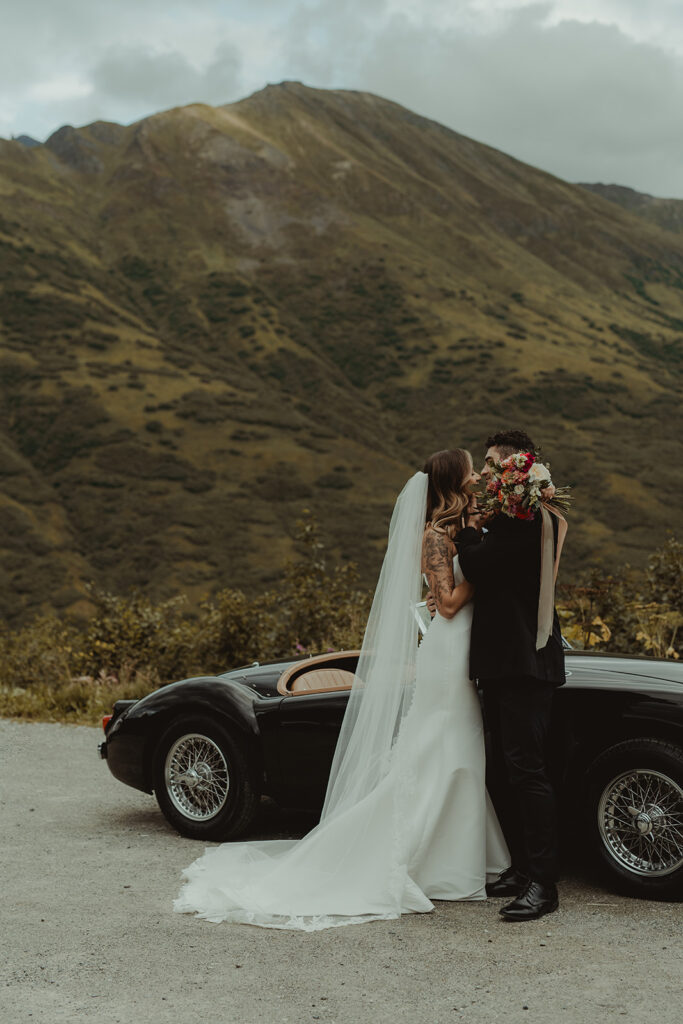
(517, 712)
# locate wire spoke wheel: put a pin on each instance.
(196, 776)
(640, 820)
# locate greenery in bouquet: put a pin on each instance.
(519, 485)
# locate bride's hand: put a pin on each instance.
(473, 516)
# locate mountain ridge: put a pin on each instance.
(665, 213)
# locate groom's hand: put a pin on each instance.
(431, 603)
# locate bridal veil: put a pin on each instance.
(330, 877)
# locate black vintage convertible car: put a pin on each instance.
(209, 747)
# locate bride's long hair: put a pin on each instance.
(448, 494)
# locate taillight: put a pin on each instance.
(105, 721)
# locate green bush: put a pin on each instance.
(138, 633)
(232, 630)
(131, 644)
(632, 612)
(55, 670)
(315, 609)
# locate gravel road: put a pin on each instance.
(88, 934)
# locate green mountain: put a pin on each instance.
(217, 316)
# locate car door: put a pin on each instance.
(306, 737)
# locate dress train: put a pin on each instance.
(427, 832)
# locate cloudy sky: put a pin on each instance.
(591, 90)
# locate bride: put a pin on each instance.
(406, 818)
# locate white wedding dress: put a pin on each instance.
(426, 832)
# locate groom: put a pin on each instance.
(518, 683)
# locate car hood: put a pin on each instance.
(261, 678)
(648, 672)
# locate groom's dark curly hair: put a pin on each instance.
(509, 441)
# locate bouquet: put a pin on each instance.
(519, 485)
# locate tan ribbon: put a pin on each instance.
(546, 595)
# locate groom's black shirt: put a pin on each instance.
(505, 568)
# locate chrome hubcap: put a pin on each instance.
(640, 817)
(196, 776)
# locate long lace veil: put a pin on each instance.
(384, 683)
(317, 882)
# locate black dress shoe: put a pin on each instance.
(535, 901)
(510, 883)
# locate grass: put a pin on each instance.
(72, 701)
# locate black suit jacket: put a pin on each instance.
(505, 567)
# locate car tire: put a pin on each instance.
(202, 780)
(634, 817)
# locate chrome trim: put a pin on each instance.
(640, 818)
(196, 777)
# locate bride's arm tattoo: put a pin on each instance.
(437, 561)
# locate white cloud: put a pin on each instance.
(68, 86)
(192, 50)
(582, 100)
(135, 74)
(588, 89)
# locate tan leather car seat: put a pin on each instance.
(320, 679)
(317, 675)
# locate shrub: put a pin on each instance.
(52, 669)
(131, 645)
(321, 610)
(233, 630)
(630, 613)
(138, 633)
(665, 574)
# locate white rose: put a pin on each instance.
(539, 472)
(519, 489)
